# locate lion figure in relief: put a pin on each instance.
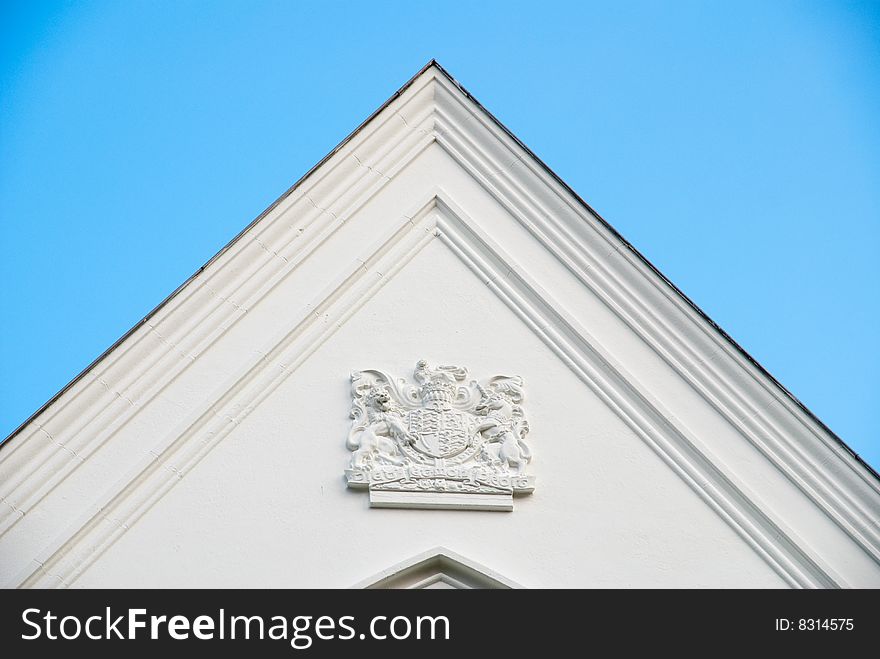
(377, 440)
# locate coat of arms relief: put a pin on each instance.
(439, 440)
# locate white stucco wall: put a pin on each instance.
(269, 507)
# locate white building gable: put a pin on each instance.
(208, 447)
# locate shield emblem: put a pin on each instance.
(441, 433)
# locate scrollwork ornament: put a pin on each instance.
(438, 433)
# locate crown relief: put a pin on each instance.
(439, 440)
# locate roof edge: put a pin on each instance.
(435, 64)
(79, 376)
(742, 351)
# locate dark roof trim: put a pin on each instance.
(650, 265)
(553, 174)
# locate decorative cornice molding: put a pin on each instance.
(744, 395)
(134, 494)
(579, 351)
(183, 448)
(431, 110)
(124, 382)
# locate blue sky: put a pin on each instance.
(736, 145)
